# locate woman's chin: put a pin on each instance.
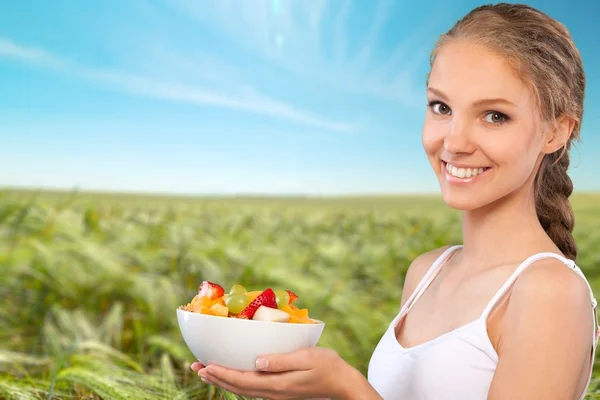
(461, 201)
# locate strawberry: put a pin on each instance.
(293, 296)
(267, 298)
(210, 290)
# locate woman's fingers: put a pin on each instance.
(296, 361)
(242, 391)
(197, 366)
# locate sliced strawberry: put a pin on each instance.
(210, 290)
(267, 298)
(293, 296)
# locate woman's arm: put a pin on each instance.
(545, 347)
(360, 389)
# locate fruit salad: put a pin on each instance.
(258, 305)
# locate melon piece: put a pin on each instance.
(270, 314)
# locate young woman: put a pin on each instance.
(507, 314)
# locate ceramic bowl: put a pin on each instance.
(237, 343)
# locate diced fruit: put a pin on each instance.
(204, 310)
(293, 296)
(210, 290)
(237, 289)
(290, 309)
(267, 305)
(221, 300)
(219, 310)
(297, 316)
(266, 298)
(283, 298)
(201, 302)
(270, 314)
(254, 294)
(237, 302)
(297, 320)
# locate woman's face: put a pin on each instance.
(481, 131)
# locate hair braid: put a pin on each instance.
(552, 190)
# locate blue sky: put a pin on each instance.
(225, 96)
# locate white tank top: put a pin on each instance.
(459, 364)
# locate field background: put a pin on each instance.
(90, 283)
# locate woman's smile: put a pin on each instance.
(455, 173)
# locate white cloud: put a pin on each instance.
(10, 49)
(365, 54)
(339, 34)
(245, 98)
(254, 25)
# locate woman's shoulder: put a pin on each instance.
(548, 326)
(551, 299)
(551, 283)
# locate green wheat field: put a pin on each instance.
(90, 282)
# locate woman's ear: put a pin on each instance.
(559, 135)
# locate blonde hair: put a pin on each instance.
(543, 53)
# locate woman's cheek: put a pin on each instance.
(432, 140)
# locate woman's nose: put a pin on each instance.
(459, 138)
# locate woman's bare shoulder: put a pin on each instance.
(550, 289)
(551, 283)
(547, 334)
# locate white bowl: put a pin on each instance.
(237, 343)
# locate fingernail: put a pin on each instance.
(262, 364)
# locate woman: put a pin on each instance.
(508, 314)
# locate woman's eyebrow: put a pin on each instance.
(478, 103)
(498, 100)
(437, 93)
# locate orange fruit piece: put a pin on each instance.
(204, 310)
(200, 302)
(290, 309)
(220, 300)
(300, 320)
(253, 295)
(297, 316)
(219, 310)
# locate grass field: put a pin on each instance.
(90, 283)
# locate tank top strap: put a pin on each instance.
(427, 279)
(530, 260)
(571, 264)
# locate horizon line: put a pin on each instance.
(233, 195)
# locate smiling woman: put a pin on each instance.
(508, 310)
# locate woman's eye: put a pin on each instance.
(495, 117)
(439, 108)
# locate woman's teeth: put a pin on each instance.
(463, 172)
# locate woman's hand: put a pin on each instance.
(314, 372)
